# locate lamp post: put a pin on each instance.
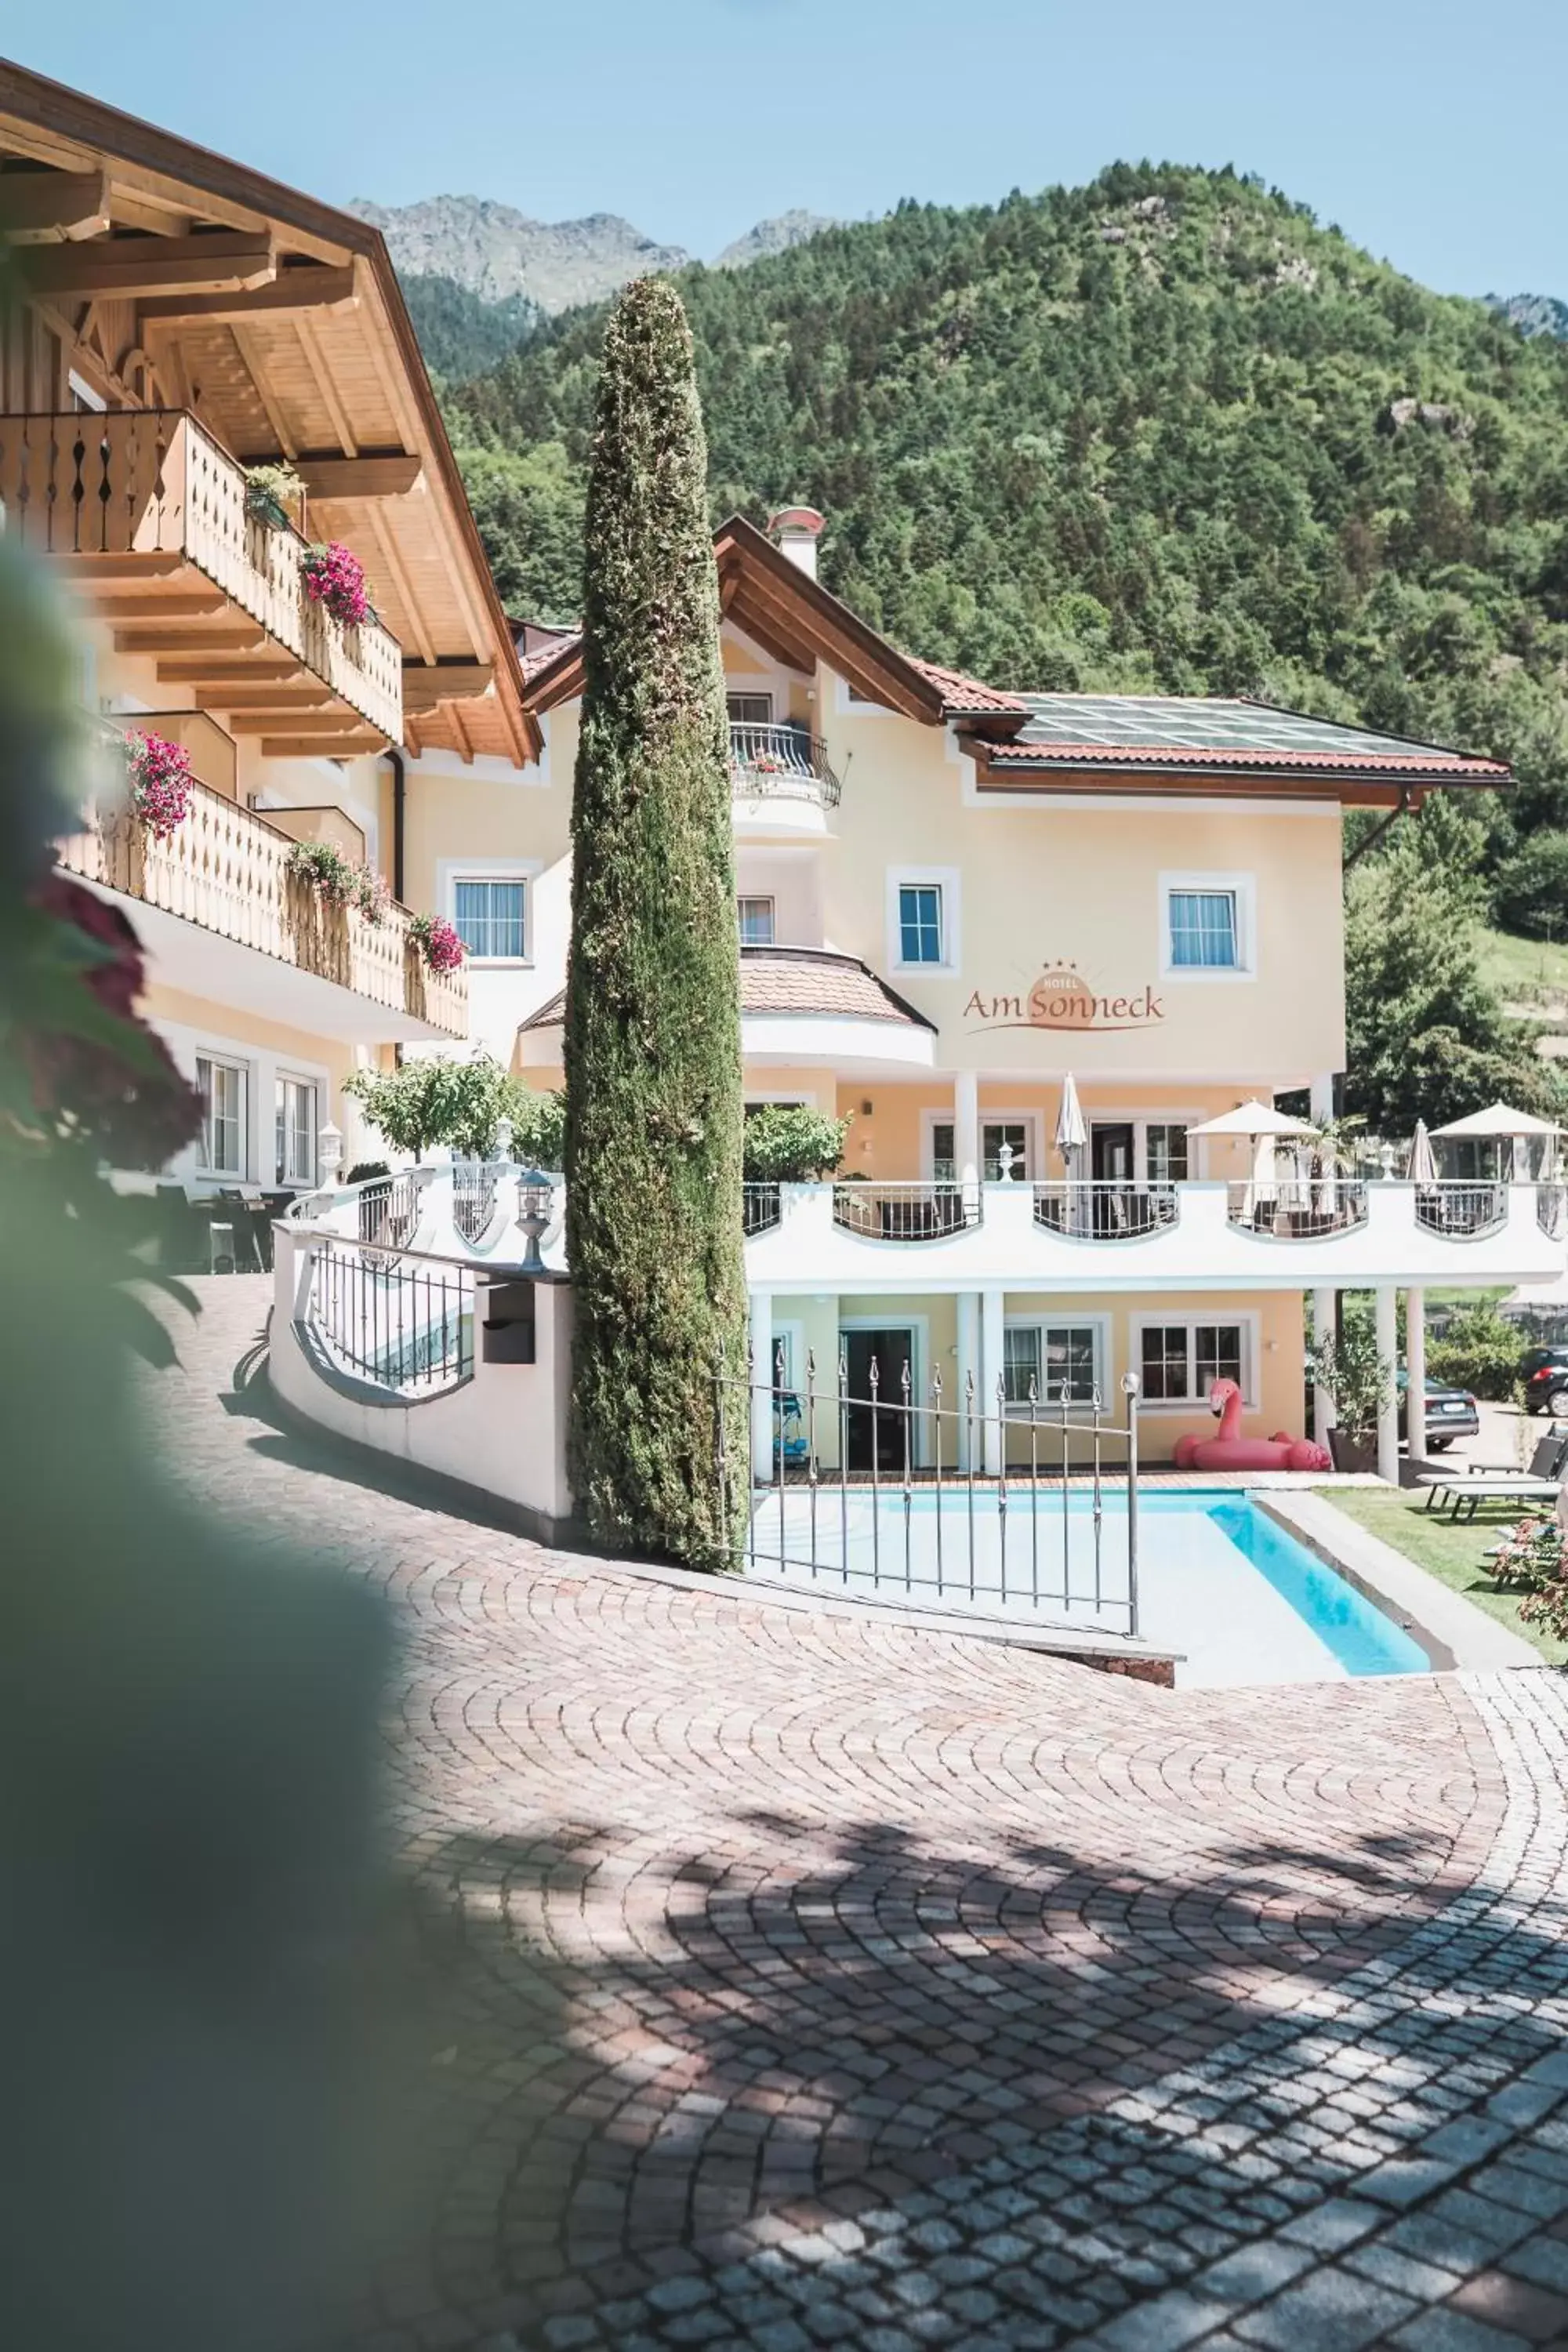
(535, 1199)
(330, 1152)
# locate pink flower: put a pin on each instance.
(161, 781)
(438, 942)
(335, 578)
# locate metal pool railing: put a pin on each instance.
(403, 1323)
(1027, 1508)
(474, 1186)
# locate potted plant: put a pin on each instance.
(440, 948)
(323, 865)
(789, 1143)
(1361, 1382)
(275, 494)
(334, 579)
(160, 781)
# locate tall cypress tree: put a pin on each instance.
(653, 1021)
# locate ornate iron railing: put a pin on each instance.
(1461, 1212)
(403, 1325)
(780, 762)
(1013, 1505)
(905, 1213)
(1298, 1209)
(474, 1187)
(1105, 1212)
(761, 1208)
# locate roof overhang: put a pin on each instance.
(314, 330)
(793, 618)
(1096, 774)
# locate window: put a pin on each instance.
(919, 922)
(1050, 1355)
(1203, 930)
(221, 1151)
(993, 1133)
(296, 1125)
(1180, 1362)
(1208, 926)
(756, 918)
(1167, 1155)
(490, 917)
(750, 709)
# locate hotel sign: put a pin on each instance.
(1062, 999)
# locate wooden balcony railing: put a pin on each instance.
(226, 869)
(151, 482)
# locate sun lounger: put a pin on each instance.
(1467, 1495)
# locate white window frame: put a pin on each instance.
(1140, 1121)
(282, 1076)
(1243, 889)
(733, 693)
(1033, 1122)
(1098, 1327)
(245, 1073)
(758, 898)
(1185, 1316)
(526, 870)
(944, 878)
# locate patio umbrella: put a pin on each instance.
(1499, 1123)
(1499, 1120)
(1421, 1168)
(1264, 1126)
(1072, 1134)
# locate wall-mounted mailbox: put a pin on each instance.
(508, 1326)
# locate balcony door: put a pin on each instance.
(874, 1434)
(1113, 1164)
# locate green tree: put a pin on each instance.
(433, 1101)
(653, 1021)
(1427, 1036)
(1531, 893)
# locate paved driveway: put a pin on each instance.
(809, 1981)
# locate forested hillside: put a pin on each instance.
(1162, 432)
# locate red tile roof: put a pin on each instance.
(810, 981)
(961, 693)
(1029, 754)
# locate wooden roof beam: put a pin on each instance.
(347, 481)
(137, 268)
(427, 684)
(338, 721)
(311, 746)
(41, 206)
(151, 640)
(315, 288)
(210, 669)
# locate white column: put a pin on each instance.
(1387, 1327)
(991, 1360)
(966, 1127)
(968, 1362)
(1416, 1364)
(1323, 1331)
(1320, 1095)
(764, 1461)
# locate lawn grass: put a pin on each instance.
(1519, 968)
(1452, 1554)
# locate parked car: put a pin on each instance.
(1450, 1413)
(1544, 1373)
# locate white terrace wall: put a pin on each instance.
(503, 1433)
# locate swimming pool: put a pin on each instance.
(1219, 1579)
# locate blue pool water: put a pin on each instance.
(1219, 1580)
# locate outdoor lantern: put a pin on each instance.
(535, 1199)
(502, 1149)
(329, 1150)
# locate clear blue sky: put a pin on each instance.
(1430, 130)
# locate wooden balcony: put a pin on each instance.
(226, 869)
(147, 515)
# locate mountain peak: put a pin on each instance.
(776, 235)
(499, 253)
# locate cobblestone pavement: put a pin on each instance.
(811, 1981)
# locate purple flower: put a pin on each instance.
(336, 579)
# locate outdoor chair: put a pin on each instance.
(1466, 1489)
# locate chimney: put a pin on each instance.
(794, 532)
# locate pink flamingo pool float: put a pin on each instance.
(1231, 1451)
